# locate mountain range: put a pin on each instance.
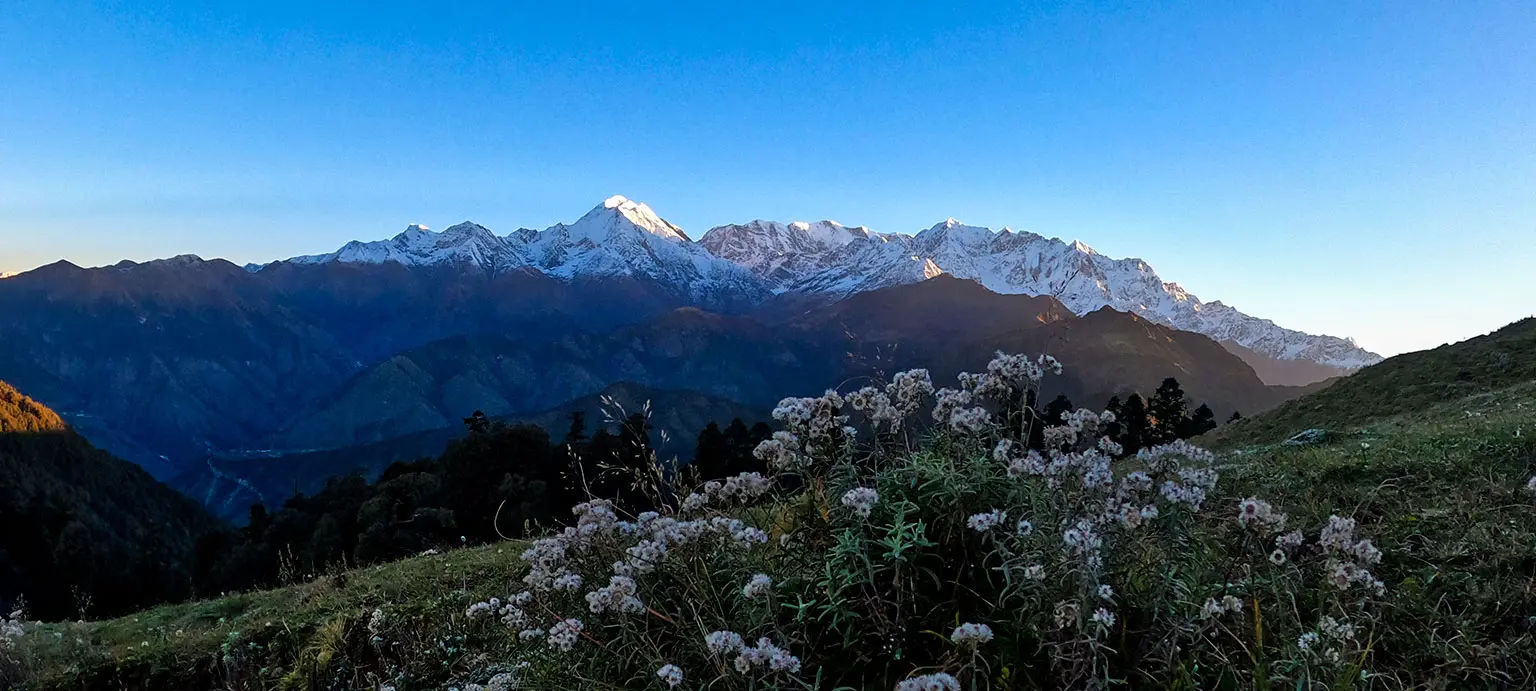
(174, 362)
(743, 263)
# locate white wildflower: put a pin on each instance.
(971, 635)
(1339, 534)
(982, 522)
(862, 500)
(671, 674)
(758, 586)
(723, 642)
(564, 634)
(930, 682)
(1103, 618)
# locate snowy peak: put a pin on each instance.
(617, 238)
(465, 243)
(622, 237)
(1010, 262)
(743, 263)
(616, 211)
(783, 253)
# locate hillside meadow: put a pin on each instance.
(1442, 491)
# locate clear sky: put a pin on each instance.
(1359, 169)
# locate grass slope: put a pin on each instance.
(1439, 488)
(1396, 386)
(277, 638)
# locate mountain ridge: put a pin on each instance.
(750, 262)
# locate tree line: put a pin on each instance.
(502, 481)
(498, 481)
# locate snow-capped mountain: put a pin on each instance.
(626, 238)
(793, 259)
(618, 238)
(745, 263)
(420, 246)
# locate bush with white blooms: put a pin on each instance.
(913, 538)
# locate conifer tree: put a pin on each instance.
(1168, 413)
(713, 453)
(1114, 406)
(1203, 420)
(1056, 411)
(1133, 424)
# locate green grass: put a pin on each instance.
(1439, 487)
(273, 633)
(1404, 385)
(1441, 490)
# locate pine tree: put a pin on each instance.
(713, 453)
(576, 435)
(1133, 424)
(1168, 412)
(1203, 420)
(478, 423)
(1114, 406)
(1056, 411)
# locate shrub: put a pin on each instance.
(877, 557)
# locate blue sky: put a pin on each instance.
(1360, 169)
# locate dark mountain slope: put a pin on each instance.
(945, 324)
(1399, 385)
(183, 357)
(177, 356)
(438, 385)
(84, 530)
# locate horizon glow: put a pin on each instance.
(1360, 170)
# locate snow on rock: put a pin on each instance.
(465, 243)
(745, 263)
(618, 237)
(625, 238)
(1009, 261)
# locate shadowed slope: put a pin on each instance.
(84, 530)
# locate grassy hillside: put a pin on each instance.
(309, 633)
(1440, 489)
(1399, 385)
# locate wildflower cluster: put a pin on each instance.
(1258, 515)
(1040, 526)
(1348, 559)
(930, 682)
(738, 490)
(11, 631)
(971, 635)
(763, 656)
(862, 500)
